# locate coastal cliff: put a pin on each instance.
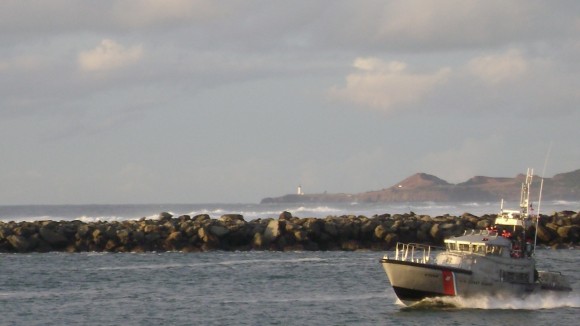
(285, 233)
(425, 187)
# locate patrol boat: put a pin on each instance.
(498, 261)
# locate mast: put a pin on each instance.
(525, 206)
(540, 199)
(538, 215)
(525, 196)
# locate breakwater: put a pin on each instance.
(286, 232)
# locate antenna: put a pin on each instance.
(540, 196)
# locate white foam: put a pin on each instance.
(532, 302)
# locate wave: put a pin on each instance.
(314, 298)
(104, 213)
(254, 262)
(532, 302)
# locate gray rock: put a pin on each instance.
(273, 230)
(218, 230)
(52, 237)
(232, 218)
(165, 216)
(330, 229)
(285, 216)
(380, 232)
(19, 243)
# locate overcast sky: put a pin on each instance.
(204, 101)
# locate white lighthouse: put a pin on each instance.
(299, 191)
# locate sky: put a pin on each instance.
(202, 101)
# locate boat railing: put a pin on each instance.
(415, 252)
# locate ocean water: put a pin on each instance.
(89, 213)
(247, 288)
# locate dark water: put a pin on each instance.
(247, 288)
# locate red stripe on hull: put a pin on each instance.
(448, 283)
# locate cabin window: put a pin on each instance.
(493, 250)
(463, 247)
(452, 246)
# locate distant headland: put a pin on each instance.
(422, 187)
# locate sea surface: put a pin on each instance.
(90, 213)
(248, 288)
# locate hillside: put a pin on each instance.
(425, 187)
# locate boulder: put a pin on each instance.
(391, 240)
(483, 224)
(165, 216)
(273, 230)
(300, 235)
(285, 216)
(124, 236)
(545, 235)
(52, 237)
(331, 229)
(569, 233)
(435, 232)
(313, 227)
(218, 230)
(19, 243)
(380, 232)
(258, 241)
(232, 218)
(367, 229)
(201, 218)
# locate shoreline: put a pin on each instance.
(231, 232)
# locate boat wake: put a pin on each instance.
(532, 302)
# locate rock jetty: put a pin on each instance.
(286, 233)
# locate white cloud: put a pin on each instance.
(387, 86)
(498, 68)
(109, 55)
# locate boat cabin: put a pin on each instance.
(484, 243)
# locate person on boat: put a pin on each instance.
(506, 234)
(516, 250)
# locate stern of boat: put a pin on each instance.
(553, 281)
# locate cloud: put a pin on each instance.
(387, 86)
(498, 68)
(109, 55)
(152, 12)
(460, 23)
(513, 81)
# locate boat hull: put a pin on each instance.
(413, 282)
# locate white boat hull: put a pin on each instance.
(413, 282)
